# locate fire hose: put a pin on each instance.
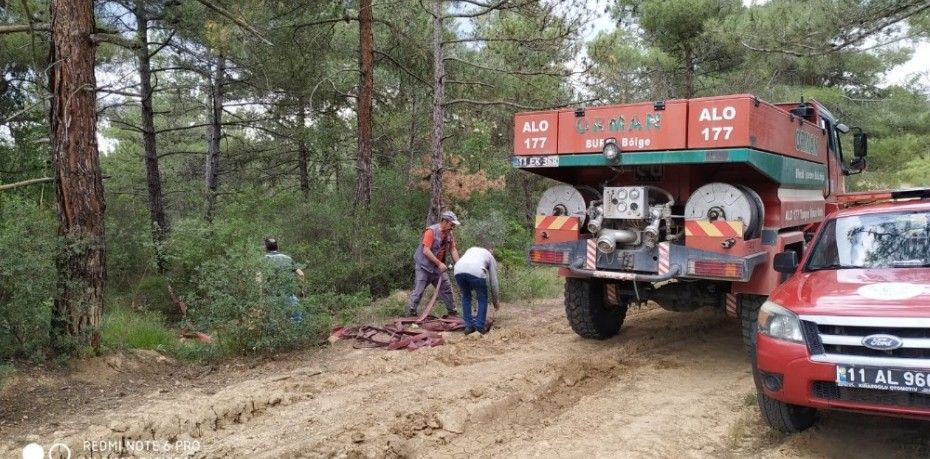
(409, 333)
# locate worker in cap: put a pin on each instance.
(429, 260)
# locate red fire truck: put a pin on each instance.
(680, 202)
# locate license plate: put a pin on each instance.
(536, 161)
(893, 379)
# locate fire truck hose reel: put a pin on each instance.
(562, 200)
(722, 201)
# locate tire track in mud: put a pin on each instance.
(373, 403)
(529, 385)
(608, 370)
(671, 384)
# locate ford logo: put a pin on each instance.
(882, 342)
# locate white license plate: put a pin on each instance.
(893, 379)
(536, 161)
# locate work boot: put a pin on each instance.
(469, 330)
(411, 313)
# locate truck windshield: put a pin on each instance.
(887, 240)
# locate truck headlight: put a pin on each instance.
(779, 323)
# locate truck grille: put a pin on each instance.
(838, 339)
(830, 391)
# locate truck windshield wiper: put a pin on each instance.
(910, 264)
(833, 266)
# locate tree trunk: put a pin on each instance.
(337, 169)
(366, 87)
(439, 73)
(528, 205)
(81, 260)
(689, 73)
(214, 135)
(303, 153)
(153, 178)
(412, 133)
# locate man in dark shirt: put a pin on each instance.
(282, 275)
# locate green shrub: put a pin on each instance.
(27, 276)
(151, 294)
(130, 251)
(227, 298)
(124, 328)
(488, 229)
(520, 282)
(5, 372)
(197, 351)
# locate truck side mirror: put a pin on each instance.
(860, 144)
(786, 262)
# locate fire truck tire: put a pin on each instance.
(587, 312)
(748, 313)
(785, 417)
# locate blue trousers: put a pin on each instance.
(468, 284)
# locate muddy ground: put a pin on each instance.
(671, 385)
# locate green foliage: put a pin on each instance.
(290, 109)
(5, 372)
(487, 229)
(215, 268)
(519, 282)
(124, 328)
(27, 276)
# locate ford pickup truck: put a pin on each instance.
(850, 328)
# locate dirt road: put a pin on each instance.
(671, 385)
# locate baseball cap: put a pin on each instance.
(450, 216)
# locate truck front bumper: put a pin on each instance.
(807, 383)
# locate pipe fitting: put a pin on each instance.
(594, 224)
(607, 239)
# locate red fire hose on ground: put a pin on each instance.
(409, 333)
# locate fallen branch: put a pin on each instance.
(17, 28)
(10, 186)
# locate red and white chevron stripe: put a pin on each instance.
(663, 258)
(612, 294)
(731, 304)
(591, 261)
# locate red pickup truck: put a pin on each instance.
(850, 328)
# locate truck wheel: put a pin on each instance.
(785, 417)
(587, 312)
(748, 313)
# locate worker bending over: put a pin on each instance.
(473, 272)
